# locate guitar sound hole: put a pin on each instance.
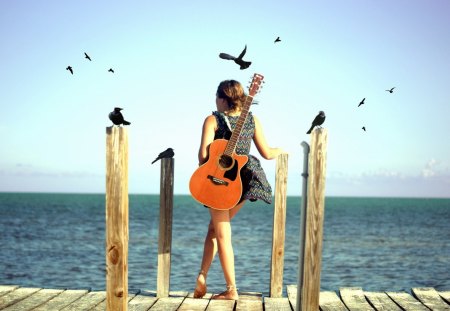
(225, 161)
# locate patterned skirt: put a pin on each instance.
(254, 182)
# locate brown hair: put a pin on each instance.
(233, 93)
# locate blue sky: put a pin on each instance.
(165, 57)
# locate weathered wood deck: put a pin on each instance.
(352, 299)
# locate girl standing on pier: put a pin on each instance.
(230, 98)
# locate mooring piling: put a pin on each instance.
(279, 223)
(116, 218)
(165, 226)
(313, 231)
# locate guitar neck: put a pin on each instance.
(231, 146)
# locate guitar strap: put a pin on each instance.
(227, 122)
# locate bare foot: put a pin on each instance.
(200, 290)
(230, 294)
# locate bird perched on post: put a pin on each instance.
(391, 90)
(168, 153)
(117, 118)
(318, 121)
(238, 60)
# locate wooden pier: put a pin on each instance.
(117, 296)
(349, 298)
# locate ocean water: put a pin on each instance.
(58, 240)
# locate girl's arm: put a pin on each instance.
(209, 128)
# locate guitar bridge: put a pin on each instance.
(218, 181)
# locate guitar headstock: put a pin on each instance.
(255, 84)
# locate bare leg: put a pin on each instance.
(209, 252)
(209, 248)
(222, 229)
(210, 245)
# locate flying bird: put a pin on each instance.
(111, 70)
(117, 118)
(362, 102)
(70, 69)
(243, 64)
(168, 153)
(364, 128)
(86, 56)
(391, 90)
(277, 40)
(318, 121)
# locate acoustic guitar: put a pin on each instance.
(217, 183)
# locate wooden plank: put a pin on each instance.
(142, 302)
(194, 304)
(165, 227)
(102, 305)
(180, 293)
(381, 301)
(277, 304)
(292, 295)
(221, 305)
(167, 304)
(249, 301)
(312, 253)
(35, 300)
(4, 289)
(354, 299)
(406, 301)
(191, 303)
(329, 301)
(445, 295)
(87, 302)
(430, 298)
(116, 218)
(279, 224)
(16, 295)
(62, 300)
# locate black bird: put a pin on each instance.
(168, 153)
(70, 69)
(277, 40)
(243, 64)
(318, 121)
(391, 90)
(364, 128)
(117, 118)
(111, 70)
(86, 56)
(362, 102)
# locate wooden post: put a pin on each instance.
(302, 230)
(116, 218)
(279, 221)
(312, 259)
(165, 227)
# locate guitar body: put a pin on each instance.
(217, 183)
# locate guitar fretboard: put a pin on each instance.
(231, 146)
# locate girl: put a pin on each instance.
(230, 98)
